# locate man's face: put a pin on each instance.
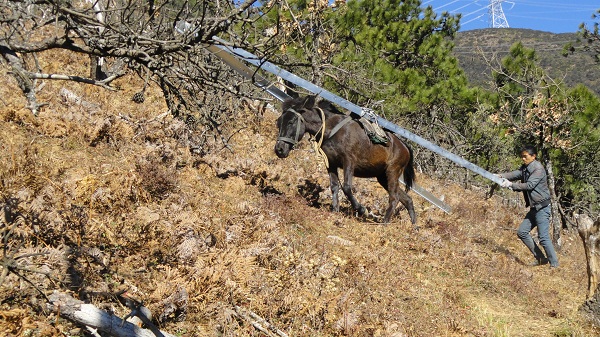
(527, 158)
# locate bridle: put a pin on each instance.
(316, 144)
(296, 139)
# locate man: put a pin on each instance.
(533, 183)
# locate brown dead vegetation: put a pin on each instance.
(107, 196)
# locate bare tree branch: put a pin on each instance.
(92, 317)
(121, 30)
(139, 37)
(102, 83)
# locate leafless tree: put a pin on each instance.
(162, 42)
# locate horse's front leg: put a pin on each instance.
(334, 185)
(347, 188)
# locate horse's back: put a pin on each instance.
(352, 145)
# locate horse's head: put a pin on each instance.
(291, 127)
(291, 124)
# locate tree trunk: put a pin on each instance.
(96, 62)
(25, 82)
(96, 71)
(589, 231)
(555, 218)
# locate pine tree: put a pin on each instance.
(403, 50)
(580, 161)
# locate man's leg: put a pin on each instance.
(542, 219)
(523, 233)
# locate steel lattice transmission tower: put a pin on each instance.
(497, 18)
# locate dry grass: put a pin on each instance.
(115, 199)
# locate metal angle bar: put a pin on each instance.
(428, 196)
(275, 70)
(248, 73)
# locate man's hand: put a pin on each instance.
(506, 183)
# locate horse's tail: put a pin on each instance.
(409, 170)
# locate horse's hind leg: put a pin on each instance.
(396, 193)
(406, 200)
(347, 188)
(392, 190)
(334, 185)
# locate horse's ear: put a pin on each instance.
(309, 102)
(286, 104)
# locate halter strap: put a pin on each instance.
(294, 140)
(339, 126)
(316, 144)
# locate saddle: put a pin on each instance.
(375, 133)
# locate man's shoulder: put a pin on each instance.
(535, 166)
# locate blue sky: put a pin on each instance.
(556, 16)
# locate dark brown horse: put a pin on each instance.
(348, 147)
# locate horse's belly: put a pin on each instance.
(368, 171)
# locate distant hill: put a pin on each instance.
(475, 46)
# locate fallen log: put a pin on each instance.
(92, 317)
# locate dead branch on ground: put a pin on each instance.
(94, 318)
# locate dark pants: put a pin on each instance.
(541, 219)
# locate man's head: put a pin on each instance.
(528, 154)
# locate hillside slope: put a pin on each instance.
(110, 194)
(481, 50)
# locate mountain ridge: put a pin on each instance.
(479, 51)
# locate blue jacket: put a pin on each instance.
(533, 183)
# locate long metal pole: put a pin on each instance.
(243, 70)
(277, 71)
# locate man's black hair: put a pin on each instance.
(529, 149)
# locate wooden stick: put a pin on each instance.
(95, 318)
(259, 323)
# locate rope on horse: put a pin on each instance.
(317, 145)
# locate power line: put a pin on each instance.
(475, 11)
(448, 4)
(464, 23)
(562, 6)
(467, 5)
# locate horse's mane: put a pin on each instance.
(299, 102)
(326, 105)
(291, 103)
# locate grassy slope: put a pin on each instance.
(145, 205)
